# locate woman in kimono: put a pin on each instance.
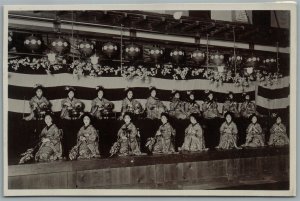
(231, 106)
(177, 106)
(128, 139)
(247, 107)
(194, 138)
(278, 135)
(191, 106)
(72, 108)
(210, 107)
(163, 142)
(39, 105)
(87, 141)
(129, 104)
(101, 107)
(154, 106)
(255, 136)
(228, 133)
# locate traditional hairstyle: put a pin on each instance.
(38, 86)
(69, 88)
(99, 88)
(151, 88)
(165, 115)
(87, 114)
(127, 89)
(128, 114)
(230, 93)
(229, 113)
(196, 116)
(252, 115)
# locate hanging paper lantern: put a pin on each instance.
(10, 40)
(177, 55)
(109, 49)
(60, 45)
(252, 61)
(156, 53)
(198, 56)
(235, 61)
(132, 51)
(32, 43)
(217, 59)
(270, 64)
(86, 48)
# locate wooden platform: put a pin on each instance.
(208, 170)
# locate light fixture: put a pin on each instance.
(177, 15)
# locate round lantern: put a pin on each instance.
(32, 43)
(86, 48)
(132, 51)
(177, 55)
(252, 61)
(217, 59)
(60, 45)
(198, 56)
(109, 49)
(10, 40)
(156, 53)
(235, 60)
(270, 64)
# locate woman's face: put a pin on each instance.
(130, 94)
(48, 120)
(127, 119)
(210, 96)
(193, 120)
(164, 119)
(71, 94)
(228, 118)
(247, 97)
(230, 96)
(100, 94)
(192, 97)
(39, 93)
(177, 95)
(153, 93)
(254, 119)
(278, 120)
(86, 120)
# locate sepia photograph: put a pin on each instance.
(150, 99)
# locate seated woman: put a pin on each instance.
(255, 136)
(210, 107)
(129, 104)
(228, 133)
(49, 146)
(191, 106)
(177, 106)
(39, 105)
(194, 138)
(247, 107)
(72, 108)
(154, 107)
(87, 141)
(128, 139)
(231, 106)
(163, 142)
(101, 107)
(278, 135)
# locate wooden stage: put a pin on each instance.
(263, 169)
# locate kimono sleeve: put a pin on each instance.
(199, 131)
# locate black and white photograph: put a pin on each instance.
(145, 99)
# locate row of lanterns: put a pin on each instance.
(110, 49)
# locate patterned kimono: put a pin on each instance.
(231, 106)
(278, 135)
(210, 109)
(247, 109)
(192, 107)
(165, 139)
(38, 107)
(128, 143)
(50, 148)
(131, 105)
(194, 139)
(255, 136)
(154, 108)
(228, 136)
(87, 144)
(177, 109)
(101, 107)
(71, 109)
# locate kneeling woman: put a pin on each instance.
(163, 142)
(87, 141)
(278, 135)
(194, 139)
(255, 136)
(228, 133)
(49, 148)
(128, 135)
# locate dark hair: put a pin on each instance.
(196, 116)
(152, 89)
(68, 89)
(38, 87)
(127, 90)
(230, 93)
(128, 114)
(166, 115)
(99, 88)
(228, 113)
(252, 115)
(86, 114)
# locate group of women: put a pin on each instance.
(50, 147)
